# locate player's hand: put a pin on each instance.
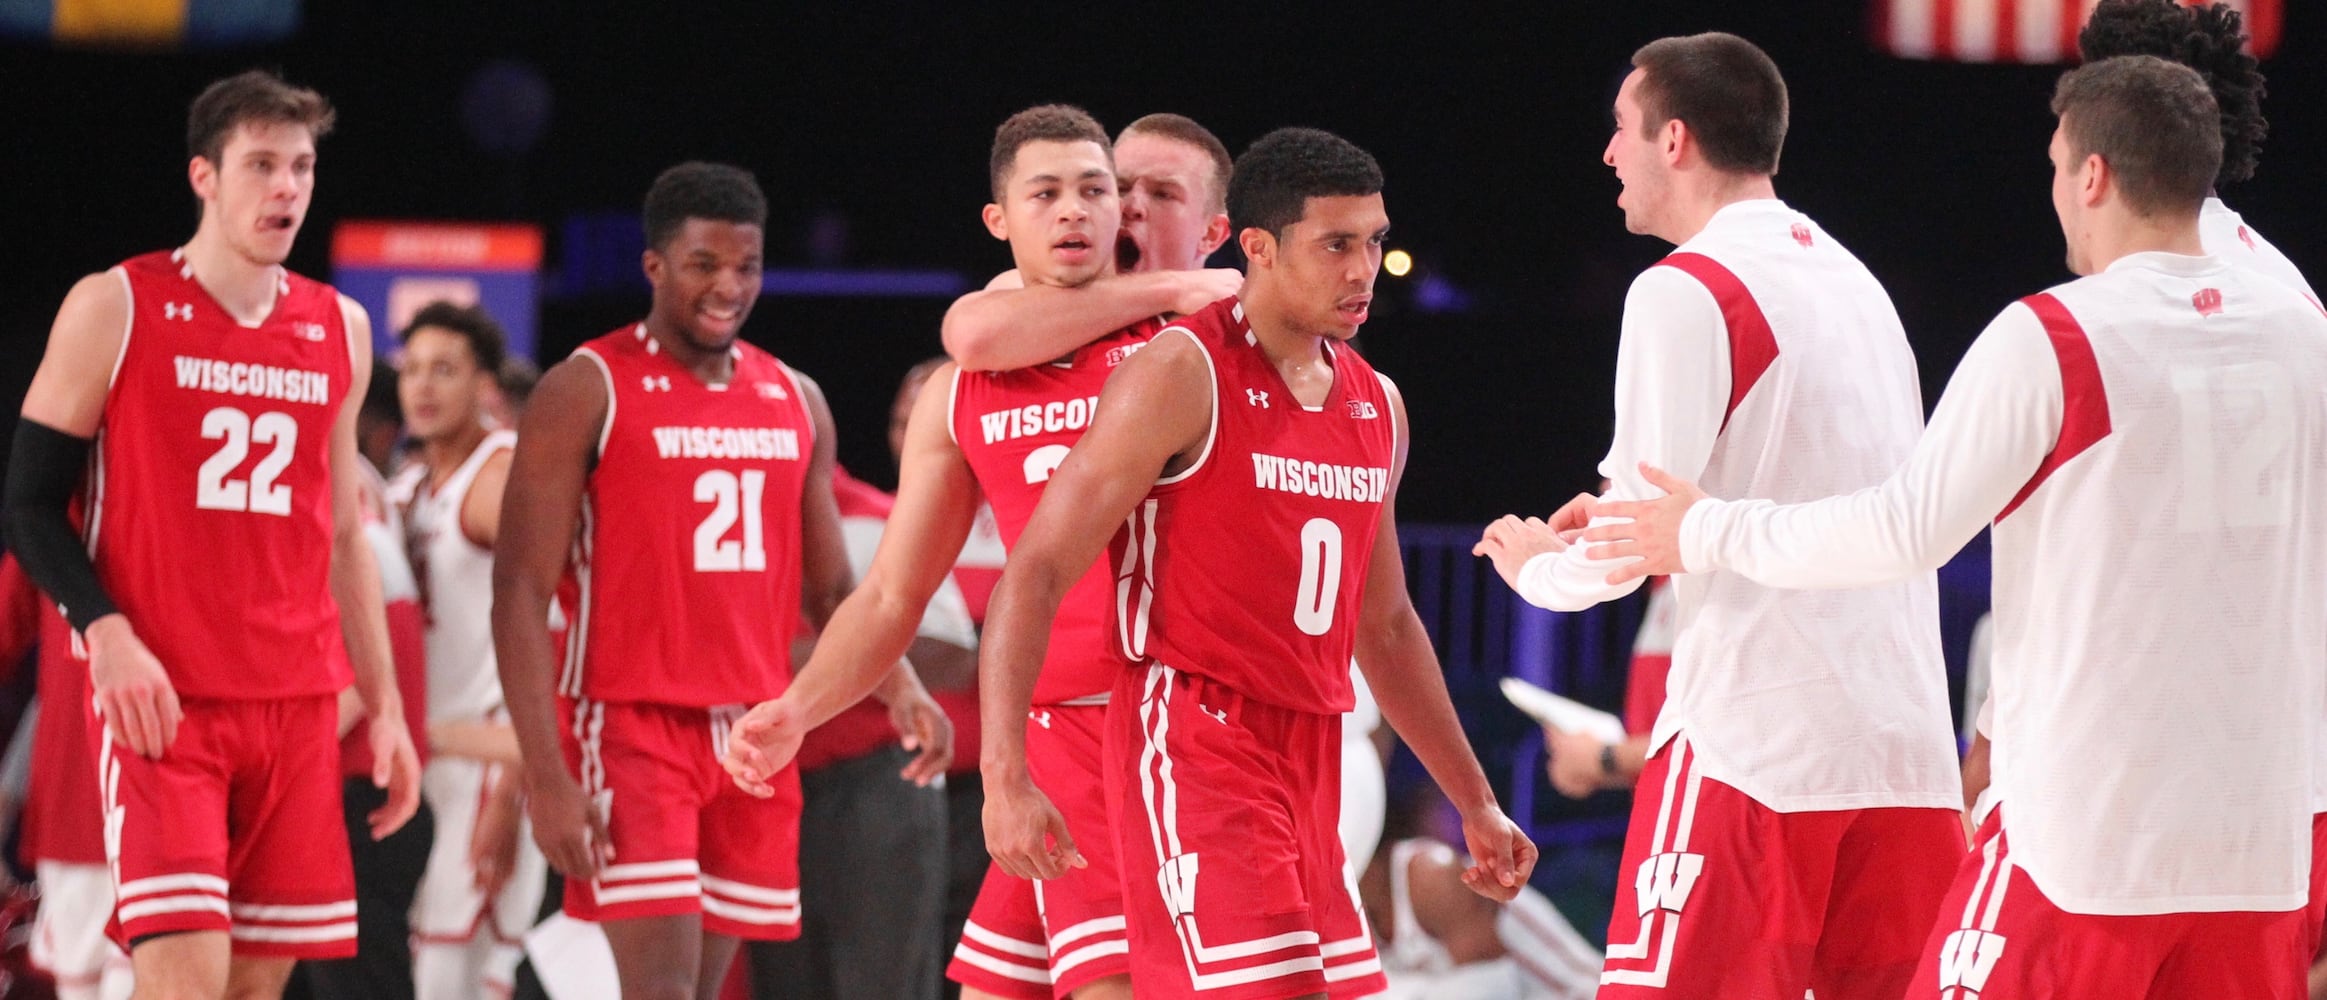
(1652, 535)
(567, 825)
(1574, 516)
(493, 842)
(761, 743)
(1025, 833)
(395, 767)
(1198, 289)
(1510, 541)
(1501, 855)
(133, 692)
(1575, 762)
(923, 727)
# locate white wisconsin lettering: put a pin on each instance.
(781, 444)
(1967, 958)
(290, 385)
(1054, 417)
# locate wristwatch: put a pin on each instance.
(1608, 759)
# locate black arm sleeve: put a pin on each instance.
(44, 473)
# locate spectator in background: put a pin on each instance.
(1580, 764)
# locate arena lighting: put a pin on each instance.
(1398, 263)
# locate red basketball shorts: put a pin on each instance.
(1998, 936)
(1720, 896)
(237, 828)
(1039, 940)
(1227, 815)
(686, 840)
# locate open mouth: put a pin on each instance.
(1355, 310)
(278, 223)
(715, 314)
(1127, 254)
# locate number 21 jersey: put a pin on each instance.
(685, 574)
(1249, 566)
(209, 514)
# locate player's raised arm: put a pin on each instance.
(61, 412)
(355, 587)
(937, 501)
(998, 329)
(556, 448)
(1154, 414)
(1395, 654)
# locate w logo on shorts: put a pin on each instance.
(1177, 878)
(1665, 880)
(1966, 960)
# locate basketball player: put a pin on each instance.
(64, 831)
(2151, 444)
(218, 389)
(689, 475)
(467, 923)
(1172, 180)
(997, 436)
(1240, 601)
(1805, 738)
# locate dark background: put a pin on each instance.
(1489, 126)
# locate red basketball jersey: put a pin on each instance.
(1015, 428)
(64, 817)
(1249, 566)
(209, 500)
(686, 568)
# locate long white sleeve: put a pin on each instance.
(1672, 391)
(1994, 425)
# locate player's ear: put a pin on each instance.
(1259, 246)
(1215, 232)
(1673, 136)
(2097, 181)
(995, 223)
(653, 264)
(202, 176)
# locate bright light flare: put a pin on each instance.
(1398, 263)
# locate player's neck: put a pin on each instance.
(245, 288)
(709, 367)
(1299, 356)
(445, 454)
(2126, 235)
(1702, 196)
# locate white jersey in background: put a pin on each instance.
(2151, 442)
(1544, 956)
(456, 577)
(1761, 359)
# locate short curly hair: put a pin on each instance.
(1273, 181)
(1041, 123)
(697, 190)
(2209, 39)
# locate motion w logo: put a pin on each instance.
(1965, 961)
(1665, 881)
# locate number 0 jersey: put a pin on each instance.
(685, 573)
(1249, 566)
(1014, 428)
(209, 513)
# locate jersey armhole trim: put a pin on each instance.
(606, 429)
(1391, 396)
(1212, 387)
(128, 324)
(953, 400)
(808, 416)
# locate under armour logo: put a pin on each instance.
(178, 310)
(1257, 398)
(656, 383)
(1218, 715)
(1360, 409)
(770, 390)
(1967, 958)
(1177, 878)
(309, 331)
(1665, 881)
(2208, 301)
(1041, 718)
(1801, 234)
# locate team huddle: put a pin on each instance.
(1194, 474)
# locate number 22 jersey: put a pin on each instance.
(208, 506)
(684, 580)
(1249, 566)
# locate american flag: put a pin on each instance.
(2019, 31)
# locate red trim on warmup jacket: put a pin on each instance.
(1752, 345)
(2084, 400)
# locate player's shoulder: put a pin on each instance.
(1209, 325)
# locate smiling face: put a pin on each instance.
(706, 277)
(1169, 204)
(1637, 153)
(1322, 268)
(255, 196)
(1060, 212)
